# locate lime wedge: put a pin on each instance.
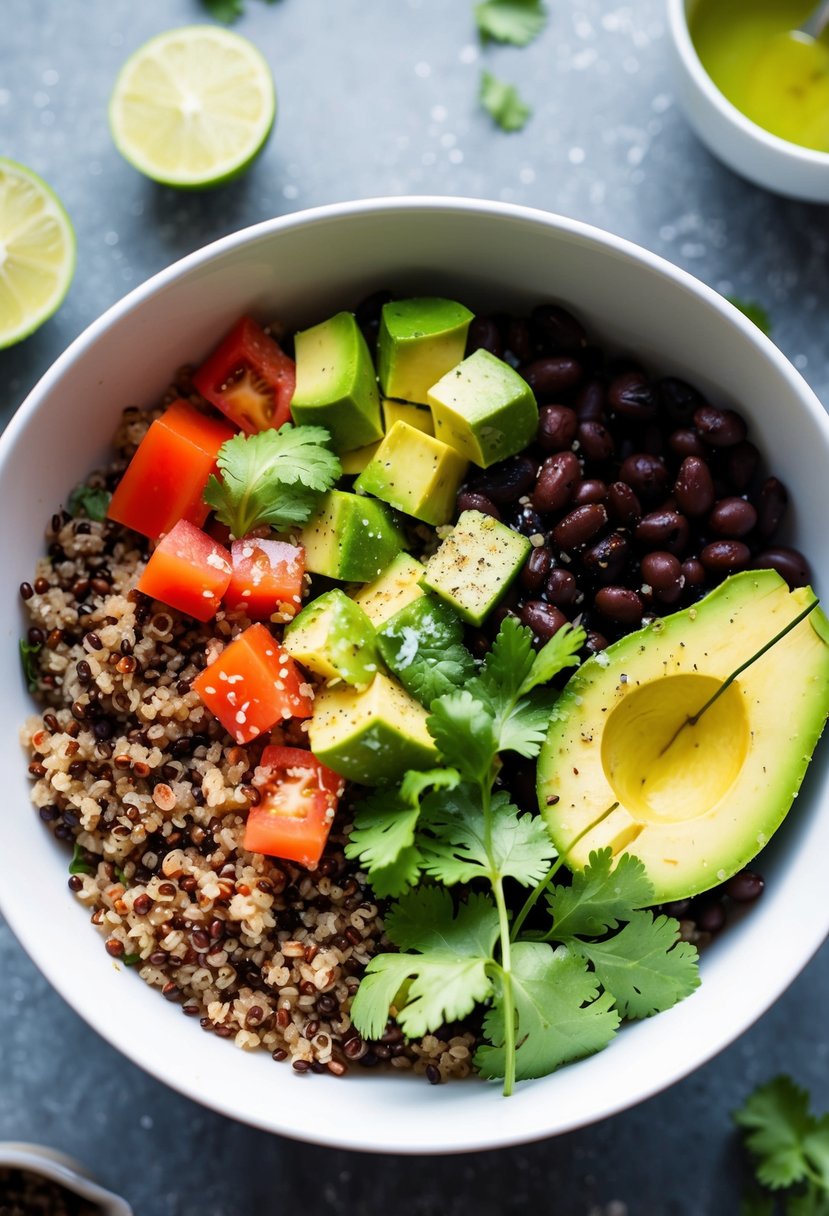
(193, 107)
(37, 252)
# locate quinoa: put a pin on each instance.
(133, 772)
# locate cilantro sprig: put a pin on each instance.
(514, 21)
(789, 1147)
(273, 478)
(503, 103)
(449, 844)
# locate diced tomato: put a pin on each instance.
(165, 479)
(253, 685)
(188, 571)
(249, 377)
(299, 798)
(267, 578)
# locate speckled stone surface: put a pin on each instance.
(378, 97)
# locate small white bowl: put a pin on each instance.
(301, 268)
(745, 147)
(57, 1167)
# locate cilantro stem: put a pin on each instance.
(496, 881)
(540, 887)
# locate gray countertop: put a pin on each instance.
(378, 97)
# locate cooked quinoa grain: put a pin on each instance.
(131, 770)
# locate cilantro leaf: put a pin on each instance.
(789, 1143)
(130, 960)
(459, 849)
(399, 875)
(79, 864)
(503, 104)
(560, 1014)
(645, 966)
(273, 477)
(464, 730)
(28, 657)
(508, 664)
(560, 652)
(599, 896)
(423, 647)
(524, 727)
(415, 783)
(754, 311)
(224, 10)
(448, 974)
(515, 21)
(382, 839)
(93, 502)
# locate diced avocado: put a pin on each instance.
(350, 537)
(334, 638)
(420, 340)
(418, 416)
(372, 736)
(335, 383)
(422, 645)
(484, 408)
(475, 564)
(694, 795)
(355, 461)
(392, 590)
(415, 473)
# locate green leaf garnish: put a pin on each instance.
(431, 660)
(515, 21)
(382, 838)
(92, 501)
(754, 311)
(78, 864)
(273, 478)
(28, 658)
(465, 731)
(789, 1145)
(599, 897)
(130, 960)
(224, 10)
(645, 965)
(503, 104)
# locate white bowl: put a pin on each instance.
(302, 268)
(57, 1167)
(741, 144)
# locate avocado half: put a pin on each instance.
(624, 765)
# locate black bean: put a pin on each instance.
(771, 503)
(742, 463)
(26, 591)
(557, 425)
(485, 334)
(519, 339)
(557, 480)
(732, 517)
(535, 569)
(471, 500)
(745, 887)
(694, 487)
(595, 440)
(662, 572)
(605, 561)
(508, 481)
(686, 443)
(561, 588)
(711, 917)
(579, 526)
(719, 428)
(694, 573)
(591, 402)
(557, 329)
(595, 641)
(663, 530)
(790, 564)
(552, 374)
(622, 504)
(678, 400)
(591, 490)
(544, 619)
(725, 556)
(646, 475)
(632, 395)
(619, 605)
(526, 520)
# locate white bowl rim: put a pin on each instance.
(812, 935)
(678, 25)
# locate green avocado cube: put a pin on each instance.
(336, 385)
(484, 409)
(415, 473)
(350, 537)
(372, 736)
(393, 589)
(419, 416)
(355, 461)
(334, 638)
(419, 340)
(473, 567)
(422, 646)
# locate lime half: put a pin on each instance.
(37, 252)
(193, 107)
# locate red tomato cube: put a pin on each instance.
(249, 378)
(298, 801)
(164, 482)
(188, 571)
(253, 685)
(267, 578)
